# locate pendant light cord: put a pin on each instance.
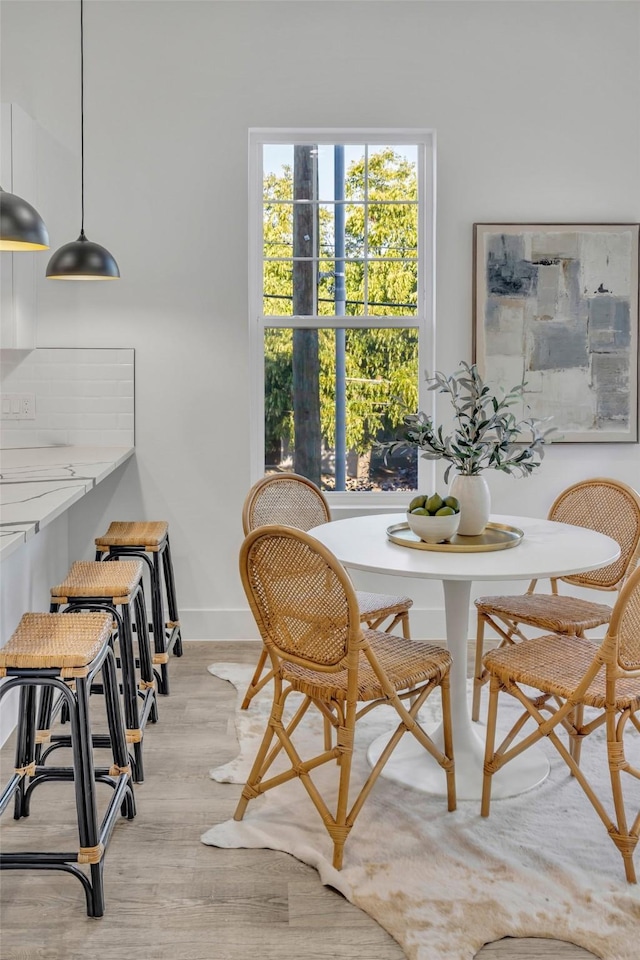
(82, 114)
(82, 259)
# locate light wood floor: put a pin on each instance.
(170, 896)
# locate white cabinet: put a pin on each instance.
(18, 174)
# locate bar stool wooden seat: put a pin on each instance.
(149, 540)
(53, 652)
(115, 588)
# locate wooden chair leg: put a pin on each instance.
(447, 730)
(478, 681)
(254, 686)
(494, 690)
(340, 830)
(249, 791)
(575, 744)
(624, 840)
(327, 734)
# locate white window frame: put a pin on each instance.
(423, 320)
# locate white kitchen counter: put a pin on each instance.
(37, 484)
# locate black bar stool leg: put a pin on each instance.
(25, 746)
(116, 726)
(84, 779)
(172, 603)
(45, 714)
(130, 693)
(147, 682)
(159, 638)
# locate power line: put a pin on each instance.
(356, 303)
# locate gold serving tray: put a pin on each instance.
(496, 536)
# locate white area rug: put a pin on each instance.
(443, 884)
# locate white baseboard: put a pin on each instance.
(203, 624)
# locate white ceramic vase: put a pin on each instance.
(475, 503)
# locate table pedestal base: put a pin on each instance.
(411, 765)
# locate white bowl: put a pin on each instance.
(433, 529)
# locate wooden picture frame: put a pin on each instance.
(556, 305)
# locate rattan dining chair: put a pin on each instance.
(608, 506)
(294, 501)
(306, 610)
(573, 671)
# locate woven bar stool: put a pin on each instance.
(48, 651)
(149, 540)
(115, 588)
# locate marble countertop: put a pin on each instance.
(37, 484)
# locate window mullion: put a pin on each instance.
(316, 232)
(366, 230)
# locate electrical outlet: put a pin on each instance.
(18, 406)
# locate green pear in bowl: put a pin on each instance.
(432, 519)
(434, 503)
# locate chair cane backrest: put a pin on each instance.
(286, 499)
(610, 507)
(625, 623)
(301, 598)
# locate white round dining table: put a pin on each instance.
(547, 549)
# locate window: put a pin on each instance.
(341, 301)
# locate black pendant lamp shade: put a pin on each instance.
(21, 226)
(81, 259)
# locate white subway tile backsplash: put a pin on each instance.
(116, 371)
(125, 388)
(17, 437)
(55, 355)
(23, 370)
(89, 355)
(81, 396)
(61, 404)
(89, 438)
(100, 404)
(62, 421)
(64, 388)
(100, 421)
(100, 388)
(110, 438)
(55, 371)
(49, 438)
(106, 371)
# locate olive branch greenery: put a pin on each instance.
(486, 435)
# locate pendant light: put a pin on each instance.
(21, 226)
(82, 259)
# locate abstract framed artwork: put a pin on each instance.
(556, 305)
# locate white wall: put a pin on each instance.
(536, 111)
